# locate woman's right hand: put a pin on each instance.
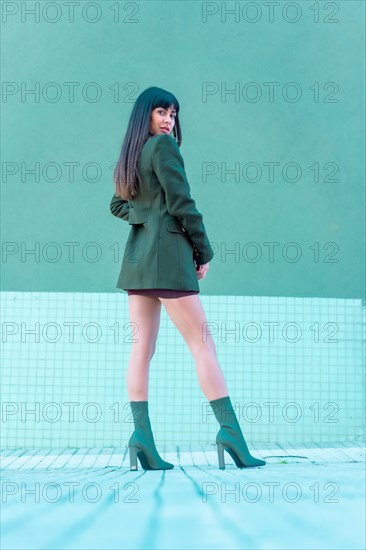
(201, 271)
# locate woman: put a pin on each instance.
(167, 251)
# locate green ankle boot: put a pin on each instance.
(230, 437)
(141, 444)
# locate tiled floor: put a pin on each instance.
(305, 497)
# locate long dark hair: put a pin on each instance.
(126, 173)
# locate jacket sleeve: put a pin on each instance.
(168, 164)
(119, 207)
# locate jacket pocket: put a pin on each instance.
(174, 226)
(138, 215)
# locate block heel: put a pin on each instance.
(220, 455)
(133, 458)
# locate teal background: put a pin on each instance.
(310, 372)
(169, 45)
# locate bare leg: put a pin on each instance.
(189, 317)
(145, 315)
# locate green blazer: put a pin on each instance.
(167, 238)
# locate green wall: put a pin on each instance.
(317, 140)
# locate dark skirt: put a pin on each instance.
(162, 292)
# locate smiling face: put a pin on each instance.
(162, 120)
